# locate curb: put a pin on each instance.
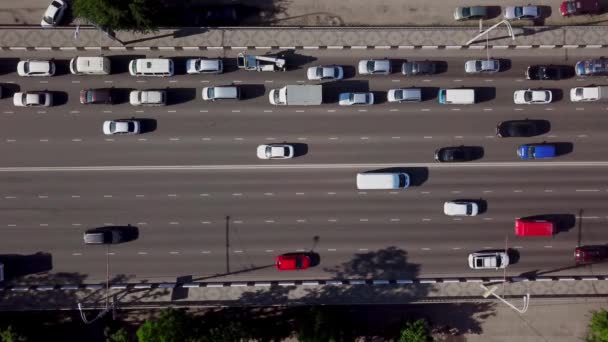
(326, 282)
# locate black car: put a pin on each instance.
(456, 154)
(103, 235)
(418, 68)
(520, 128)
(544, 72)
(96, 96)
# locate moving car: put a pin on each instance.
(292, 262)
(460, 208)
(527, 227)
(454, 154)
(404, 95)
(112, 127)
(580, 7)
(275, 151)
(544, 72)
(532, 96)
(204, 66)
(522, 12)
(36, 68)
(96, 96)
(588, 94)
(536, 151)
(488, 260)
(470, 13)
(415, 68)
(33, 99)
(375, 67)
(331, 72)
(518, 128)
(586, 254)
(592, 67)
(349, 99)
(104, 235)
(482, 66)
(148, 97)
(53, 14)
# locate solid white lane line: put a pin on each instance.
(587, 190)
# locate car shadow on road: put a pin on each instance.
(180, 95)
(59, 98)
(252, 91)
(147, 125)
(120, 63)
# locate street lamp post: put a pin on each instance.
(492, 290)
(506, 22)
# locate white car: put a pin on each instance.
(488, 260)
(121, 127)
(532, 96)
(404, 95)
(522, 12)
(460, 208)
(35, 68)
(349, 99)
(482, 65)
(148, 97)
(275, 151)
(375, 67)
(33, 99)
(53, 14)
(330, 72)
(588, 94)
(204, 66)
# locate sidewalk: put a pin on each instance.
(302, 38)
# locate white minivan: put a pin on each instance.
(159, 67)
(456, 96)
(90, 65)
(382, 181)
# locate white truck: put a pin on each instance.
(260, 63)
(297, 95)
(589, 94)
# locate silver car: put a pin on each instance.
(404, 95)
(349, 99)
(482, 66)
(53, 14)
(33, 99)
(204, 66)
(470, 13)
(374, 67)
(331, 72)
(112, 127)
(522, 12)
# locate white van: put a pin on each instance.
(221, 93)
(90, 66)
(456, 96)
(382, 181)
(148, 97)
(160, 67)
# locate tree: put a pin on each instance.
(323, 324)
(171, 326)
(119, 335)
(114, 15)
(417, 331)
(10, 335)
(598, 327)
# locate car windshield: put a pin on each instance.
(478, 65)
(399, 94)
(579, 92)
(479, 262)
(89, 96)
(528, 96)
(319, 72)
(402, 181)
(469, 209)
(285, 151)
(570, 8)
(131, 127)
(268, 151)
(298, 263)
(370, 66)
(112, 126)
(26, 67)
(48, 20)
(56, 4)
(466, 11)
(519, 11)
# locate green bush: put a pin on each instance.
(417, 331)
(598, 328)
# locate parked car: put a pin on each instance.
(204, 66)
(455, 154)
(331, 72)
(488, 260)
(532, 96)
(104, 235)
(375, 67)
(588, 254)
(536, 151)
(112, 127)
(518, 128)
(482, 66)
(275, 151)
(470, 13)
(53, 14)
(592, 67)
(544, 72)
(522, 12)
(33, 99)
(404, 95)
(415, 68)
(460, 208)
(36, 68)
(349, 99)
(96, 96)
(580, 7)
(292, 262)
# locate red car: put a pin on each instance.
(586, 254)
(533, 228)
(579, 7)
(292, 262)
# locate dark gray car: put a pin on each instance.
(418, 68)
(103, 235)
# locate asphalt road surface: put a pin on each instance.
(206, 208)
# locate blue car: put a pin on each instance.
(536, 151)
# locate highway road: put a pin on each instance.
(206, 207)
